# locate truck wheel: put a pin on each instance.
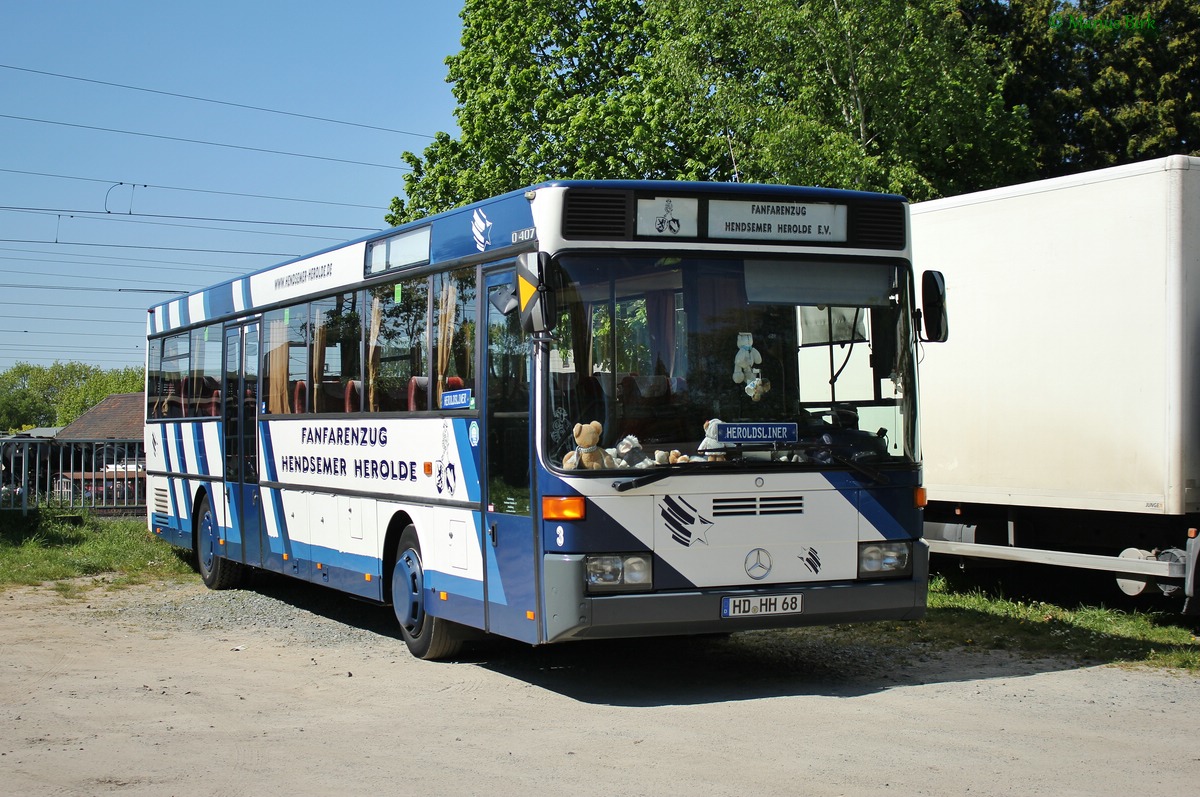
(215, 571)
(427, 637)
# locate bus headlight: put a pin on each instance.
(624, 572)
(884, 559)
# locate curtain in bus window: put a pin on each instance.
(660, 318)
(318, 361)
(447, 305)
(276, 390)
(455, 333)
(374, 355)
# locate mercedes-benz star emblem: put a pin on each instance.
(758, 564)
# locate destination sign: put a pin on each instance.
(777, 221)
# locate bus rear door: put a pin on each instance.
(244, 541)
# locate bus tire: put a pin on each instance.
(427, 637)
(215, 571)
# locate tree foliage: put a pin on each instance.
(55, 395)
(1103, 82)
(919, 97)
(895, 95)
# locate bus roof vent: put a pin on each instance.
(597, 214)
(877, 225)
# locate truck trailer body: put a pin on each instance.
(1062, 417)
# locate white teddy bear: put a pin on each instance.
(746, 358)
(629, 454)
(710, 446)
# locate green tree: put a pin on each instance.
(545, 89)
(55, 395)
(1102, 82)
(897, 95)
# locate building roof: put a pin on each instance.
(118, 417)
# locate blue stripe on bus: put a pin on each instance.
(165, 431)
(283, 543)
(437, 581)
(331, 557)
(468, 455)
(865, 501)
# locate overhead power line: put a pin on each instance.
(217, 102)
(193, 190)
(106, 214)
(156, 248)
(206, 143)
(72, 288)
(146, 219)
(123, 259)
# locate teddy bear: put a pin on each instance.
(746, 358)
(629, 454)
(710, 445)
(757, 387)
(672, 457)
(587, 453)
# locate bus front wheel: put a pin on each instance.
(427, 637)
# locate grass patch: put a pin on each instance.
(970, 617)
(45, 547)
(60, 549)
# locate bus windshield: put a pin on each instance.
(786, 360)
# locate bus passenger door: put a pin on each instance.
(244, 540)
(509, 537)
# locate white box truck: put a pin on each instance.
(1061, 420)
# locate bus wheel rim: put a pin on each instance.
(408, 592)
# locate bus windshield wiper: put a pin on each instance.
(872, 474)
(649, 477)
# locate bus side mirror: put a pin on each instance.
(535, 294)
(933, 307)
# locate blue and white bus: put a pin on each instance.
(580, 410)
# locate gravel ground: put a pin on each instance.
(172, 689)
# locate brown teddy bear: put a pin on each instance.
(588, 454)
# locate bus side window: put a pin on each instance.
(397, 320)
(455, 333)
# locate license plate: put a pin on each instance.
(757, 605)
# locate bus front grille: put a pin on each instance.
(754, 506)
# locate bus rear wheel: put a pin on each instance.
(215, 571)
(427, 637)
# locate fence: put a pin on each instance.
(107, 476)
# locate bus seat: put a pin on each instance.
(454, 383)
(353, 394)
(593, 403)
(300, 396)
(417, 400)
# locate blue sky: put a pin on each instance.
(87, 211)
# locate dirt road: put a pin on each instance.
(173, 690)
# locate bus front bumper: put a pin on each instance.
(571, 613)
